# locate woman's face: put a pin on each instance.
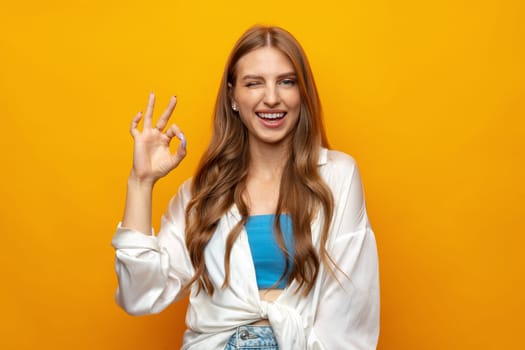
(267, 96)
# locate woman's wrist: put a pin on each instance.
(135, 181)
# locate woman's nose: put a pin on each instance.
(271, 96)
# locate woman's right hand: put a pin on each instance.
(152, 158)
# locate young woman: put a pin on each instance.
(270, 238)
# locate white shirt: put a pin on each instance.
(336, 314)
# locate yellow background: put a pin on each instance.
(428, 96)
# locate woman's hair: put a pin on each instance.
(220, 180)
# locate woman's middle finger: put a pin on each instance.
(163, 120)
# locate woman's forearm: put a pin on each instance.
(137, 213)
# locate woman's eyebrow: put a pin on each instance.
(251, 76)
(287, 75)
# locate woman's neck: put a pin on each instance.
(265, 171)
(267, 161)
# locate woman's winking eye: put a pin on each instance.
(252, 83)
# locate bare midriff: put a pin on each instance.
(267, 295)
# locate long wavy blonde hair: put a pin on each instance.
(220, 180)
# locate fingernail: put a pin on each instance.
(182, 140)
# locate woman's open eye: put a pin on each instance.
(288, 82)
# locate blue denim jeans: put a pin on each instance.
(253, 337)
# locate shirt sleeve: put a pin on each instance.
(152, 270)
(347, 316)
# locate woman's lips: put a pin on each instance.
(271, 119)
(271, 116)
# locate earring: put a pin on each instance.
(234, 107)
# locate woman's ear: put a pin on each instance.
(235, 107)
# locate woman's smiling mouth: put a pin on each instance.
(271, 116)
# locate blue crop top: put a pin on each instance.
(268, 258)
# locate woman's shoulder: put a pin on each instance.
(185, 188)
(338, 160)
(178, 202)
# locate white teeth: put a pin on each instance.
(271, 115)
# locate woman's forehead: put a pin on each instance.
(264, 61)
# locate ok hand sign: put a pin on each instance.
(152, 158)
